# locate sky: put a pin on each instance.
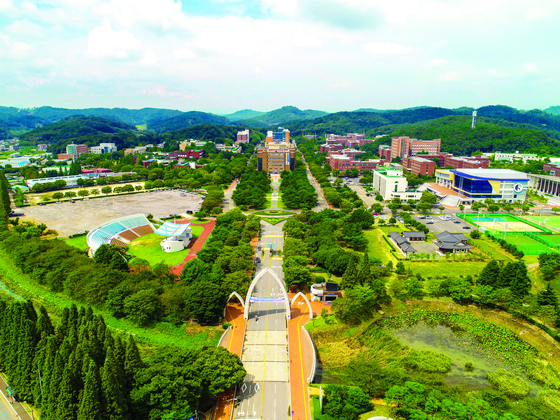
(332, 55)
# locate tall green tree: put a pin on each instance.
(114, 401)
(91, 406)
(350, 276)
(364, 274)
(490, 274)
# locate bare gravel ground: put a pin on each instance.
(68, 218)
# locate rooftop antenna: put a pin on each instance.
(474, 119)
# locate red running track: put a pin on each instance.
(195, 245)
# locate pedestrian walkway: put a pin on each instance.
(301, 360)
(10, 409)
(196, 244)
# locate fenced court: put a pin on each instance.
(502, 222)
(549, 221)
(531, 243)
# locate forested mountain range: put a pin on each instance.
(554, 110)
(184, 120)
(282, 116)
(244, 114)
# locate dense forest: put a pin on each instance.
(185, 120)
(216, 133)
(282, 116)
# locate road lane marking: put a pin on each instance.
(265, 341)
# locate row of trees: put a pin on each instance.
(252, 188)
(80, 370)
(297, 191)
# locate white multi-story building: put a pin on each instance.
(510, 157)
(103, 148)
(390, 181)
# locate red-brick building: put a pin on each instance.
(343, 163)
(463, 162)
(188, 154)
(419, 166)
(327, 148)
(385, 152)
(405, 146)
(552, 168)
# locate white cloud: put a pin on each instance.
(280, 7)
(184, 54)
(386, 48)
(343, 84)
(450, 76)
(105, 42)
(16, 49)
(149, 59)
(530, 68)
(496, 73)
(537, 14)
(25, 28)
(438, 62)
(162, 13)
(257, 70)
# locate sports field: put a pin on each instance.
(528, 245)
(549, 221)
(500, 223)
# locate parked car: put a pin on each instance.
(466, 227)
(456, 222)
(429, 223)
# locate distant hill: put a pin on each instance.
(350, 122)
(282, 116)
(490, 135)
(12, 120)
(554, 110)
(184, 120)
(89, 130)
(244, 114)
(128, 116)
(213, 132)
(380, 111)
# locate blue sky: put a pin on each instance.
(225, 55)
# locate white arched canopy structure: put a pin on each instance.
(300, 294)
(238, 296)
(254, 283)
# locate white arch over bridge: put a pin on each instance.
(300, 294)
(261, 273)
(238, 296)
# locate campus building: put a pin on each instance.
(103, 148)
(480, 184)
(76, 149)
(276, 158)
(188, 154)
(390, 182)
(385, 152)
(243, 136)
(405, 146)
(419, 166)
(42, 147)
(545, 184)
(510, 157)
(278, 136)
(463, 162)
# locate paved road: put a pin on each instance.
(265, 392)
(228, 202)
(362, 194)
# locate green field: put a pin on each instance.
(445, 268)
(273, 213)
(528, 245)
(79, 242)
(492, 249)
(551, 222)
(148, 248)
(377, 247)
(279, 202)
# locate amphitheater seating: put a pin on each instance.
(113, 228)
(119, 231)
(116, 242)
(129, 234)
(143, 230)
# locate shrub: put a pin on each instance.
(509, 384)
(428, 361)
(550, 398)
(469, 366)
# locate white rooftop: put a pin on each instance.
(493, 173)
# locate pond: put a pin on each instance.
(460, 348)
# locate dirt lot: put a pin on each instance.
(36, 198)
(68, 218)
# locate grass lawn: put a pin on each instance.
(273, 220)
(279, 202)
(78, 242)
(377, 247)
(444, 268)
(197, 230)
(492, 249)
(201, 221)
(273, 213)
(148, 248)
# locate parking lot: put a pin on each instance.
(68, 218)
(440, 225)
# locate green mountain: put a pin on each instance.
(380, 111)
(244, 114)
(81, 129)
(350, 122)
(213, 132)
(184, 120)
(554, 110)
(282, 116)
(490, 135)
(128, 116)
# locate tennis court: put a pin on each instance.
(549, 221)
(502, 222)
